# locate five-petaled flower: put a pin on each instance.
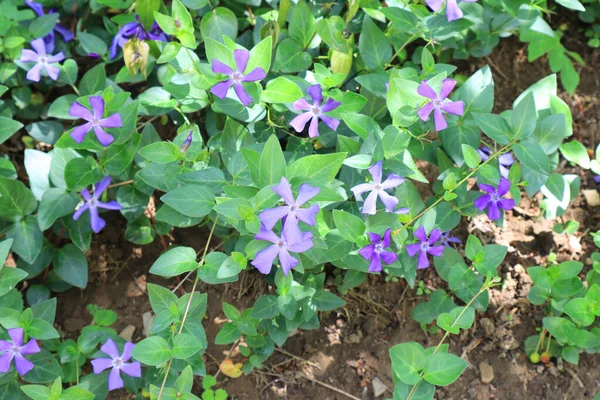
(505, 161)
(375, 252)
(378, 189)
(292, 211)
(95, 121)
(236, 77)
(92, 203)
(118, 362)
(49, 39)
(135, 29)
(452, 10)
(41, 60)
(439, 103)
(446, 239)
(493, 200)
(16, 350)
(314, 112)
(426, 246)
(281, 247)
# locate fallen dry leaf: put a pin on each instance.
(230, 369)
(137, 287)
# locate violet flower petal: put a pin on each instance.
(370, 204)
(300, 104)
(264, 259)
(220, 89)
(454, 107)
(313, 129)
(413, 249)
(287, 261)
(426, 91)
(79, 111)
(421, 234)
(447, 87)
(316, 94)
(332, 123)
(256, 74)
(299, 122)
(375, 264)
(114, 121)
(34, 73)
(221, 68)
(269, 217)
(104, 138)
(482, 202)
(284, 189)
(388, 257)
(494, 211)
(376, 171)
(23, 365)
(241, 57)
(241, 93)
(425, 111)
(453, 12)
(133, 369)
(330, 105)
(101, 364)
(440, 121)
(114, 380)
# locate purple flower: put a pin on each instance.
(597, 179)
(452, 10)
(41, 60)
(187, 142)
(505, 160)
(378, 189)
(439, 103)
(281, 247)
(135, 29)
(15, 350)
(49, 39)
(446, 239)
(375, 251)
(427, 246)
(95, 121)
(292, 212)
(493, 200)
(315, 111)
(92, 203)
(236, 77)
(118, 363)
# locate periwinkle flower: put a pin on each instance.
(281, 247)
(118, 363)
(439, 104)
(446, 239)
(49, 39)
(426, 246)
(378, 189)
(42, 61)
(236, 77)
(93, 203)
(597, 178)
(505, 161)
(16, 350)
(135, 29)
(188, 142)
(315, 111)
(376, 253)
(493, 200)
(95, 121)
(292, 211)
(453, 12)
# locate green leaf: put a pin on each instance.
(266, 307)
(218, 23)
(290, 57)
(374, 47)
(281, 90)
(271, 165)
(15, 199)
(350, 226)
(320, 167)
(441, 369)
(579, 310)
(550, 132)
(145, 9)
(562, 329)
(7, 128)
(42, 330)
(302, 26)
(571, 4)
(575, 152)
(118, 157)
(160, 298)
(36, 392)
(94, 80)
(9, 277)
(260, 56)
(153, 351)
(330, 30)
(185, 346)
(536, 167)
(228, 334)
(60, 107)
(524, 117)
(495, 127)
(27, 238)
(56, 203)
(46, 368)
(92, 44)
(327, 301)
(4, 249)
(71, 265)
(43, 25)
(161, 152)
(408, 359)
(175, 262)
(192, 200)
(471, 156)
(81, 173)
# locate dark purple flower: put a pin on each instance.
(427, 246)
(446, 239)
(378, 189)
(49, 39)
(92, 203)
(505, 161)
(292, 212)
(493, 200)
(236, 77)
(375, 251)
(135, 29)
(281, 247)
(597, 179)
(93, 55)
(187, 142)
(452, 10)
(315, 111)
(41, 60)
(15, 350)
(118, 363)
(439, 103)
(95, 121)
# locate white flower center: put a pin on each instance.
(93, 202)
(316, 110)
(437, 103)
(377, 187)
(378, 248)
(95, 121)
(42, 60)
(15, 349)
(425, 246)
(237, 77)
(117, 363)
(281, 244)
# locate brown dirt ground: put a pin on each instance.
(351, 347)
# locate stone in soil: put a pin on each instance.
(486, 372)
(127, 333)
(592, 197)
(378, 387)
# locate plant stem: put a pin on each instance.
(189, 303)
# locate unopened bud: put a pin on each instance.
(187, 143)
(135, 54)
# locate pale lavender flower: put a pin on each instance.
(236, 77)
(49, 39)
(92, 203)
(118, 363)
(378, 189)
(95, 121)
(15, 350)
(375, 252)
(281, 247)
(453, 12)
(446, 239)
(439, 103)
(292, 211)
(315, 112)
(505, 161)
(136, 29)
(426, 246)
(493, 200)
(41, 60)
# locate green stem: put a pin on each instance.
(408, 41)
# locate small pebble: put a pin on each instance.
(487, 372)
